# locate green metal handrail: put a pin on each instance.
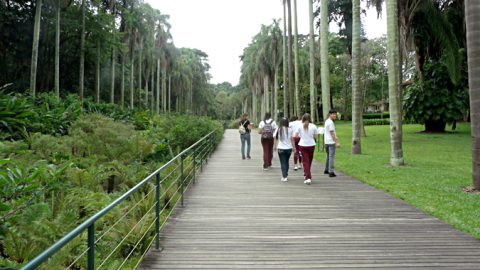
(89, 225)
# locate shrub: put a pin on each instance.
(376, 115)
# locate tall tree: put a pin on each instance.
(325, 69)
(356, 92)
(285, 62)
(82, 54)
(296, 64)
(289, 50)
(396, 151)
(36, 38)
(58, 8)
(472, 16)
(312, 63)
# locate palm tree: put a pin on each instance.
(289, 52)
(295, 52)
(36, 38)
(312, 62)
(82, 54)
(356, 92)
(325, 69)
(472, 16)
(284, 61)
(396, 152)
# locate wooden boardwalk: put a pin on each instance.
(239, 217)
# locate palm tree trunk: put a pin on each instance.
(36, 38)
(140, 62)
(312, 63)
(356, 93)
(157, 100)
(275, 94)
(169, 92)
(97, 74)
(122, 86)
(82, 54)
(112, 76)
(290, 70)
(472, 16)
(57, 52)
(325, 69)
(396, 152)
(254, 104)
(132, 82)
(284, 62)
(267, 93)
(164, 90)
(295, 52)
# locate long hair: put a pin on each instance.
(267, 116)
(306, 120)
(243, 117)
(293, 118)
(283, 128)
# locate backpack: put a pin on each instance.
(267, 130)
(241, 128)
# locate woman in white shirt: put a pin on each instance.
(307, 133)
(267, 128)
(284, 143)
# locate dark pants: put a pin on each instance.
(267, 145)
(297, 157)
(329, 164)
(284, 156)
(307, 156)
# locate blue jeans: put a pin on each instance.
(284, 156)
(329, 164)
(245, 138)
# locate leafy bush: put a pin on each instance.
(436, 101)
(15, 113)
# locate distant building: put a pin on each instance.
(377, 107)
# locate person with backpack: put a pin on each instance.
(267, 128)
(284, 143)
(244, 129)
(297, 157)
(307, 133)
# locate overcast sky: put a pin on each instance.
(223, 28)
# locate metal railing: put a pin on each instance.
(179, 172)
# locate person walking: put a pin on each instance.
(267, 128)
(245, 127)
(331, 143)
(284, 144)
(307, 133)
(297, 157)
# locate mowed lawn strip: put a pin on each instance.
(438, 168)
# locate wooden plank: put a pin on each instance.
(238, 216)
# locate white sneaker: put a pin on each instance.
(265, 169)
(307, 182)
(284, 179)
(296, 168)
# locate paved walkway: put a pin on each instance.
(239, 217)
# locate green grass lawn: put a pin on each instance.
(438, 167)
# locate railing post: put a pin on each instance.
(194, 162)
(181, 179)
(157, 212)
(201, 158)
(91, 247)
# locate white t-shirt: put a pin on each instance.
(329, 126)
(295, 125)
(307, 137)
(284, 142)
(274, 125)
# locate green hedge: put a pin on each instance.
(384, 121)
(376, 115)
